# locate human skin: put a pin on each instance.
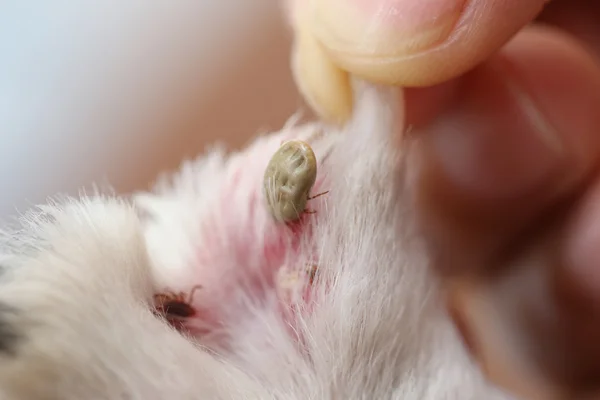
(505, 118)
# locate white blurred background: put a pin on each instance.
(116, 91)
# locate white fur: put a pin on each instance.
(78, 282)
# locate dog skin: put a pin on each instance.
(79, 275)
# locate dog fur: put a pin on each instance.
(78, 277)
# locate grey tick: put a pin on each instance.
(289, 177)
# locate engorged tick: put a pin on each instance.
(175, 306)
(288, 179)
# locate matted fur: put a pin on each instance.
(75, 320)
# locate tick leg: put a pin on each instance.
(317, 195)
(169, 293)
(161, 297)
(191, 296)
(308, 211)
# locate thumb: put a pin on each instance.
(416, 42)
(394, 42)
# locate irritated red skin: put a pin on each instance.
(241, 247)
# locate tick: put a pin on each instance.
(175, 306)
(288, 179)
(312, 274)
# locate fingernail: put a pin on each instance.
(368, 36)
(325, 87)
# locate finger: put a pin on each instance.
(399, 42)
(499, 171)
(578, 17)
(519, 135)
(323, 84)
(416, 42)
(534, 327)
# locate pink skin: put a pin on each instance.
(243, 247)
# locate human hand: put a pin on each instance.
(506, 140)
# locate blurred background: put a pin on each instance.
(115, 92)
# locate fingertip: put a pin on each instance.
(325, 87)
(416, 43)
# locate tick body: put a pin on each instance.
(289, 177)
(312, 274)
(175, 306)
